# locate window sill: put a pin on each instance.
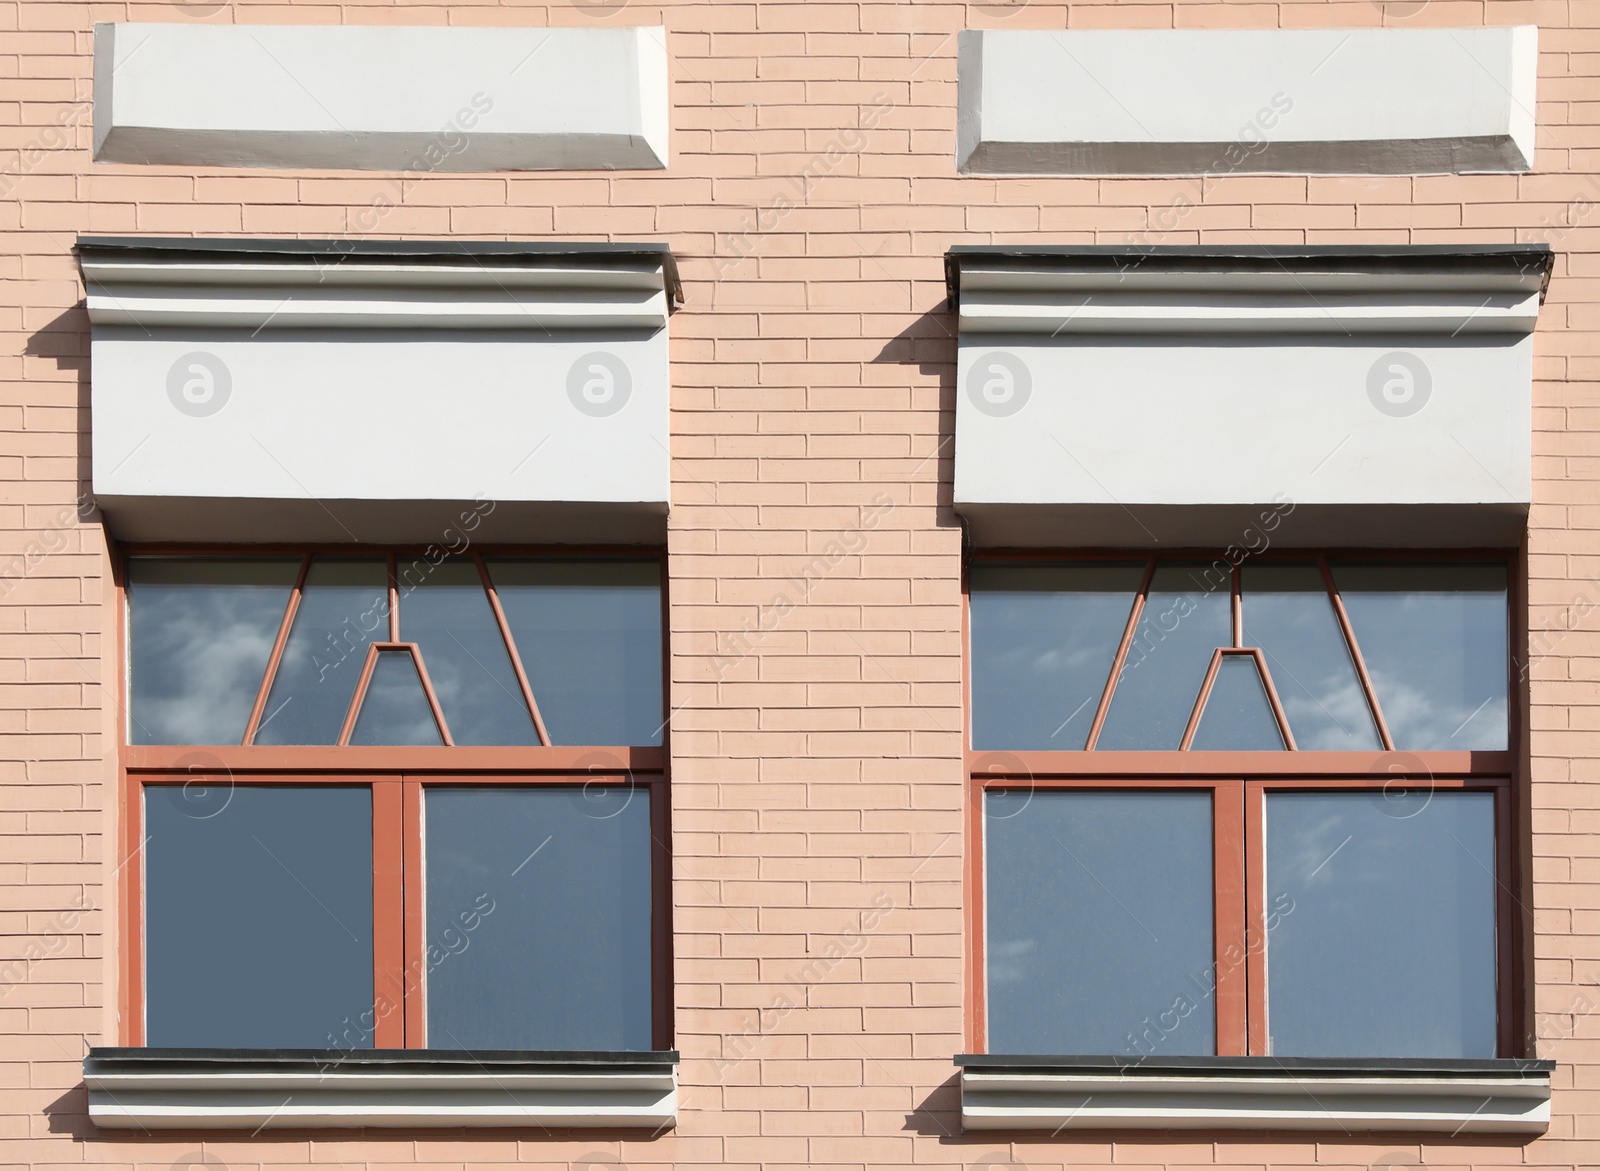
(1000, 1092)
(252, 1089)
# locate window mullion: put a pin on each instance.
(416, 948)
(388, 912)
(1255, 875)
(1228, 861)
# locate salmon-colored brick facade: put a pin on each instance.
(816, 666)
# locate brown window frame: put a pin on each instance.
(397, 776)
(1240, 780)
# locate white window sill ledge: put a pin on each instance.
(252, 1089)
(1252, 1093)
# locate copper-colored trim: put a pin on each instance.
(1255, 861)
(394, 602)
(128, 904)
(1193, 724)
(660, 912)
(973, 974)
(1354, 648)
(368, 665)
(1128, 632)
(1210, 554)
(360, 697)
(388, 912)
(415, 914)
(282, 640)
(1041, 767)
(1517, 969)
(663, 951)
(1236, 597)
(338, 762)
(511, 648)
(978, 1018)
(433, 698)
(1354, 782)
(131, 867)
(279, 549)
(1272, 698)
(1505, 915)
(1231, 932)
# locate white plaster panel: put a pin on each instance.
(380, 416)
(1178, 423)
(381, 98)
(1191, 101)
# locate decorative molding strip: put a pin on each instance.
(165, 1089)
(149, 283)
(1056, 291)
(372, 97)
(1240, 1093)
(1228, 101)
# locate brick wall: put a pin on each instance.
(817, 767)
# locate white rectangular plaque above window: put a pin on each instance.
(1139, 396)
(1239, 101)
(373, 391)
(369, 97)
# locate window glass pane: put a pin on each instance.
(1187, 615)
(538, 906)
(1384, 940)
(395, 709)
(343, 608)
(200, 633)
(1238, 714)
(1435, 643)
(258, 916)
(1288, 614)
(589, 634)
(1043, 640)
(1099, 923)
(448, 616)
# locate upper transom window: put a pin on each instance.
(1313, 653)
(394, 650)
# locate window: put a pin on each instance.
(1252, 809)
(392, 801)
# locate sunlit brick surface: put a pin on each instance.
(815, 586)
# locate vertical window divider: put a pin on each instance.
(133, 910)
(1232, 918)
(511, 647)
(394, 603)
(388, 914)
(1235, 586)
(1354, 649)
(1255, 882)
(1121, 655)
(414, 931)
(660, 911)
(1507, 985)
(282, 640)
